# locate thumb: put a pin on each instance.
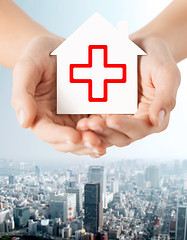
(25, 78)
(166, 83)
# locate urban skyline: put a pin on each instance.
(140, 201)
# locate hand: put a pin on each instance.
(34, 99)
(159, 79)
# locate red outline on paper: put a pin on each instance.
(106, 81)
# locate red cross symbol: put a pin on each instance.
(98, 73)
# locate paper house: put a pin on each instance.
(97, 70)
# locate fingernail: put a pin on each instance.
(21, 117)
(88, 145)
(97, 155)
(161, 116)
(95, 151)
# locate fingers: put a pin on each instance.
(80, 149)
(96, 122)
(90, 139)
(25, 80)
(166, 82)
(93, 145)
(67, 139)
(98, 125)
(133, 128)
(93, 150)
(66, 147)
(96, 153)
(53, 133)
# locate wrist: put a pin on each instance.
(37, 34)
(146, 39)
(43, 37)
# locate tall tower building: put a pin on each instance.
(21, 215)
(93, 220)
(181, 224)
(97, 174)
(152, 175)
(63, 206)
(11, 179)
(114, 185)
(78, 192)
(37, 171)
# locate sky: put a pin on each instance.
(63, 17)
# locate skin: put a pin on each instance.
(34, 82)
(164, 41)
(34, 99)
(159, 79)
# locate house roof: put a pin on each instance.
(102, 26)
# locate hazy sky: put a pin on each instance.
(63, 17)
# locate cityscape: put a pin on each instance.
(126, 199)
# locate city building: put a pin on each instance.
(88, 236)
(140, 179)
(114, 233)
(78, 192)
(79, 234)
(11, 179)
(152, 176)
(21, 216)
(76, 224)
(66, 232)
(6, 221)
(97, 174)
(37, 171)
(63, 206)
(114, 185)
(32, 227)
(181, 224)
(93, 220)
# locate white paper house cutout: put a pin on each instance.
(97, 70)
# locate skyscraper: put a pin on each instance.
(152, 175)
(63, 206)
(37, 171)
(11, 179)
(93, 207)
(140, 179)
(97, 174)
(21, 215)
(181, 224)
(78, 192)
(114, 185)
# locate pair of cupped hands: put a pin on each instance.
(34, 99)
